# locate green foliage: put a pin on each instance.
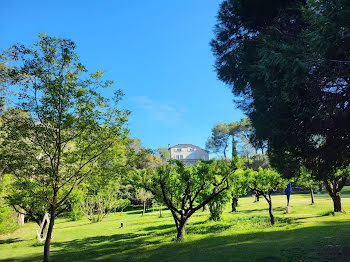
(76, 198)
(305, 179)
(218, 142)
(101, 196)
(186, 189)
(288, 61)
(8, 221)
(121, 204)
(216, 208)
(66, 124)
(238, 183)
(303, 235)
(143, 196)
(164, 153)
(256, 161)
(222, 132)
(265, 181)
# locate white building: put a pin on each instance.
(188, 153)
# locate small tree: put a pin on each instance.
(186, 189)
(305, 179)
(217, 205)
(122, 204)
(238, 187)
(143, 196)
(265, 182)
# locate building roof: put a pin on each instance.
(189, 145)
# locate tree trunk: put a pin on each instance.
(234, 150)
(204, 208)
(334, 193)
(312, 196)
(20, 219)
(234, 204)
(144, 208)
(272, 218)
(256, 197)
(181, 230)
(160, 212)
(337, 203)
(49, 235)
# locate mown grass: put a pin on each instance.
(308, 233)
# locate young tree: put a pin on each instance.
(265, 182)
(305, 179)
(122, 204)
(143, 196)
(69, 125)
(217, 205)
(238, 187)
(186, 189)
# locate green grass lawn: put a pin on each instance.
(308, 233)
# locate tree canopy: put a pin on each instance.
(63, 123)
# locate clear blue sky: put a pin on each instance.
(156, 51)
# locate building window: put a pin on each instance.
(181, 157)
(177, 150)
(190, 149)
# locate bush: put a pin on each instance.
(8, 222)
(216, 209)
(75, 200)
(75, 214)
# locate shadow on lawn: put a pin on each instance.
(10, 240)
(328, 241)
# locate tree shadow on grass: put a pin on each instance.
(328, 241)
(10, 240)
(161, 227)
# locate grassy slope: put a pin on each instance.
(309, 233)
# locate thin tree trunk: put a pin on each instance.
(49, 234)
(272, 218)
(234, 204)
(144, 208)
(312, 196)
(160, 212)
(204, 208)
(256, 197)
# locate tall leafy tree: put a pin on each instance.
(293, 76)
(222, 133)
(219, 140)
(68, 127)
(164, 153)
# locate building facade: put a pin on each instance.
(188, 153)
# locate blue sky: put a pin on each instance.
(156, 51)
